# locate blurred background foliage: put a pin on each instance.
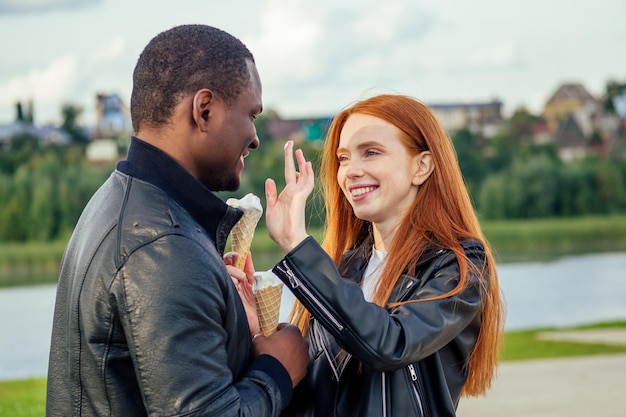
(43, 189)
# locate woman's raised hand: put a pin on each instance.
(284, 215)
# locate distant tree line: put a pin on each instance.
(508, 176)
(511, 178)
(44, 189)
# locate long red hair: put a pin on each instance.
(442, 213)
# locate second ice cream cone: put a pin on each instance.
(268, 308)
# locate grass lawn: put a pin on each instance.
(512, 240)
(26, 398)
(525, 344)
(23, 398)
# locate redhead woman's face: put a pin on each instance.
(376, 173)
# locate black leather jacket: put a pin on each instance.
(404, 361)
(147, 320)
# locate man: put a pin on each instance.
(147, 318)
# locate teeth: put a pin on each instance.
(360, 191)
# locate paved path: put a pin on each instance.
(590, 386)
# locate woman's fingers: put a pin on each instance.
(301, 176)
(305, 175)
(290, 168)
(301, 160)
(271, 194)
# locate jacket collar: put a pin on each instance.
(354, 263)
(149, 163)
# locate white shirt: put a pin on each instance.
(372, 273)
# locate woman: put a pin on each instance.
(402, 306)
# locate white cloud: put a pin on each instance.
(38, 6)
(315, 57)
(46, 86)
(115, 49)
(498, 55)
(286, 43)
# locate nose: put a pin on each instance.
(255, 143)
(352, 168)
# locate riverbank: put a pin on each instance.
(512, 241)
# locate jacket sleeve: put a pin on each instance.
(181, 321)
(382, 339)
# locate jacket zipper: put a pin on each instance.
(384, 397)
(413, 375)
(296, 283)
(318, 338)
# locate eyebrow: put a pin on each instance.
(365, 144)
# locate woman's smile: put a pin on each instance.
(359, 192)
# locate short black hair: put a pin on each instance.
(183, 60)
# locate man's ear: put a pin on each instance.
(201, 108)
(424, 166)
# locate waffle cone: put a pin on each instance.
(241, 237)
(268, 308)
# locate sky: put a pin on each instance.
(316, 57)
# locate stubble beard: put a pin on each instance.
(219, 181)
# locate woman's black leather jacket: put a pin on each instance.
(409, 360)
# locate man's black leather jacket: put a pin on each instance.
(404, 361)
(147, 320)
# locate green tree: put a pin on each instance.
(527, 189)
(521, 125)
(575, 194)
(612, 89)
(471, 160)
(44, 196)
(70, 114)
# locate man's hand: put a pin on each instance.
(243, 281)
(289, 347)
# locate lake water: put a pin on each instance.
(571, 291)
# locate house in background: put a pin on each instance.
(112, 122)
(112, 116)
(570, 140)
(483, 118)
(299, 130)
(24, 124)
(571, 98)
(580, 125)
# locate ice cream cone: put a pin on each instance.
(241, 235)
(268, 308)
